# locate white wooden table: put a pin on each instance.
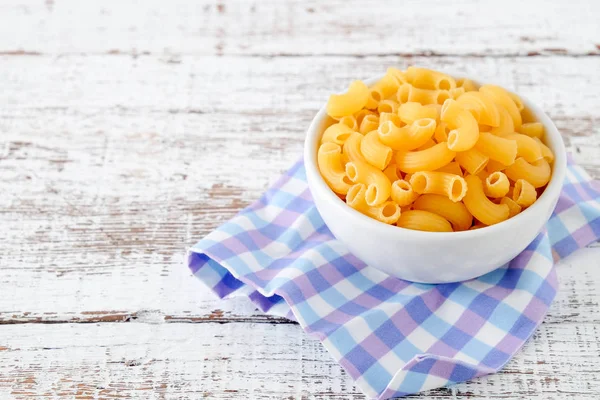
(130, 129)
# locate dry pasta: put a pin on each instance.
(378, 185)
(403, 193)
(473, 161)
(423, 221)
(524, 193)
(369, 123)
(502, 98)
(351, 149)
(425, 160)
(428, 79)
(513, 207)
(496, 185)
(408, 137)
(407, 93)
(451, 168)
(392, 172)
(537, 173)
(375, 152)
(422, 150)
(480, 206)
(497, 148)
(337, 133)
(340, 105)
(412, 111)
(533, 129)
(465, 131)
(455, 212)
(431, 182)
(330, 163)
(482, 107)
(527, 147)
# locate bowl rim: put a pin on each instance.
(550, 194)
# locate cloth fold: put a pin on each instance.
(392, 336)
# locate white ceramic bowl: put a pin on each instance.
(434, 257)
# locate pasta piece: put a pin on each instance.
(428, 79)
(480, 206)
(388, 106)
(484, 128)
(411, 111)
(533, 129)
(408, 137)
(375, 152)
(424, 160)
(517, 100)
(408, 93)
(527, 147)
(392, 172)
(524, 193)
(329, 160)
(423, 221)
(375, 96)
(336, 133)
(378, 185)
(356, 197)
(385, 117)
(388, 212)
(482, 107)
(466, 84)
(546, 152)
(359, 116)
(455, 212)
(465, 131)
(340, 105)
(399, 76)
(430, 182)
(350, 122)
(428, 144)
(513, 207)
(351, 149)
(506, 125)
(437, 108)
(402, 193)
(493, 166)
(387, 86)
(502, 98)
(451, 168)
(441, 132)
(496, 185)
(457, 92)
(472, 160)
(368, 124)
(537, 173)
(497, 148)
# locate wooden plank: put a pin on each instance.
(340, 27)
(216, 361)
(109, 178)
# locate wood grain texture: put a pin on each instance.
(129, 130)
(296, 28)
(223, 361)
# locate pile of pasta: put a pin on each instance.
(422, 150)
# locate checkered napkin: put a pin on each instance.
(393, 337)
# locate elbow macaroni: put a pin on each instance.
(465, 131)
(422, 150)
(408, 137)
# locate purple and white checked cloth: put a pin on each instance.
(393, 337)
